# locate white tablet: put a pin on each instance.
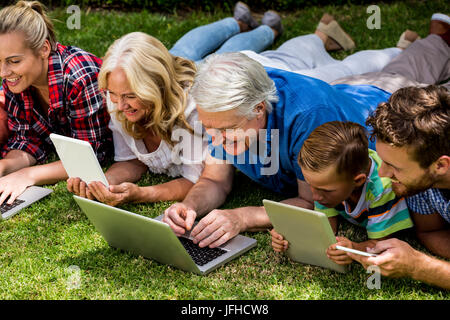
(308, 232)
(78, 158)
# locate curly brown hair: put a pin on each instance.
(417, 118)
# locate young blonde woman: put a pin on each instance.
(147, 92)
(48, 88)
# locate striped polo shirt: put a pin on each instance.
(378, 210)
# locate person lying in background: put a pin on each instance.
(308, 54)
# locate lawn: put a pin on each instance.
(39, 245)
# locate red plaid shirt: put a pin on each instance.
(76, 109)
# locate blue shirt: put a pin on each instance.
(304, 104)
(431, 201)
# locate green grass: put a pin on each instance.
(38, 246)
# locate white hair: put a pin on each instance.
(233, 81)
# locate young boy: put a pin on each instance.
(3, 118)
(343, 176)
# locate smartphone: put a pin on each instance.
(361, 253)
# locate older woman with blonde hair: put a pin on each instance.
(153, 120)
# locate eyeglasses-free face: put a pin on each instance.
(125, 99)
(21, 67)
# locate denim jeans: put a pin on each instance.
(221, 36)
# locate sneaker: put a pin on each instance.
(272, 19)
(242, 13)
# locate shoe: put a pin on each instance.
(242, 13)
(407, 38)
(337, 38)
(272, 19)
(440, 25)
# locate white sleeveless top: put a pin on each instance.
(185, 159)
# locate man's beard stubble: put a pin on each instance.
(425, 182)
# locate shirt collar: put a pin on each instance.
(56, 79)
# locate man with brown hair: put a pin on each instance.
(413, 140)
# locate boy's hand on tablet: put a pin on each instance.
(278, 242)
(339, 256)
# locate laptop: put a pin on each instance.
(78, 158)
(28, 197)
(308, 232)
(155, 240)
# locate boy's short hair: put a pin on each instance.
(415, 117)
(342, 144)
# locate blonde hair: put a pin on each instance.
(30, 18)
(156, 77)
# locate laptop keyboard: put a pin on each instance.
(6, 207)
(201, 256)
